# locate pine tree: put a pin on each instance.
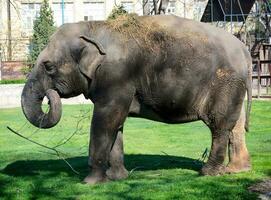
(117, 11)
(42, 30)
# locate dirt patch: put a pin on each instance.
(148, 35)
(263, 188)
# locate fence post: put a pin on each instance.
(0, 64)
(259, 78)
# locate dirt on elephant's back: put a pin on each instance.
(148, 35)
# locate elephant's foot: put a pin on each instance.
(239, 160)
(235, 167)
(208, 170)
(94, 178)
(117, 173)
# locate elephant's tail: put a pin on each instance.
(249, 94)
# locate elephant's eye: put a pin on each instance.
(49, 67)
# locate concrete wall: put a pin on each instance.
(10, 96)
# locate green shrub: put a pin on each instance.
(15, 81)
(43, 29)
(117, 11)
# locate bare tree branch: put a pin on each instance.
(57, 153)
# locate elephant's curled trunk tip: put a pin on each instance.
(32, 107)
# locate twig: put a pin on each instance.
(16, 9)
(132, 170)
(68, 139)
(165, 153)
(57, 153)
(37, 130)
(177, 161)
(23, 126)
(71, 136)
(15, 132)
(204, 155)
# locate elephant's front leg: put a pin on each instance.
(106, 121)
(117, 169)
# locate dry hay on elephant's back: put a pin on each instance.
(147, 34)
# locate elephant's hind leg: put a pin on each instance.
(224, 112)
(117, 170)
(238, 154)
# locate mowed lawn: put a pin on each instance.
(162, 159)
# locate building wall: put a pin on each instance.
(75, 10)
(21, 34)
(17, 42)
(11, 70)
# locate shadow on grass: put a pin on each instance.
(132, 161)
(39, 172)
(42, 174)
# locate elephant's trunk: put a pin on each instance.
(31, 102)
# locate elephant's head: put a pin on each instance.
(65, 69)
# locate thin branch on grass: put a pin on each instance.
(22, 126)
(38, 129)
(204, 155)
(199, 161)
(47, 152)
(142, 167)
(165, 153)
(73, 134)
(57, 153)
(136, 168)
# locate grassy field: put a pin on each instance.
(162, 159)
(15, 81)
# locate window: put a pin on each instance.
(29, 12)
(68, 13)
(128, 6)
(171, 7)
(199, 9)
(94, 10)
(29, 47)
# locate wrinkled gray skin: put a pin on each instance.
(202, 75)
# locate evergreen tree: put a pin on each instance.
(42, 30)
(117, 11)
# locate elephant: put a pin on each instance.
(162, 68)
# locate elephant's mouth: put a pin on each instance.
(64, 94)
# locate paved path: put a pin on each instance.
(10, 96)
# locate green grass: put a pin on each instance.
(28, 171)
(14, 81)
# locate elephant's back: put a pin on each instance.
(182, 26)
(205, 41)
(186, 29)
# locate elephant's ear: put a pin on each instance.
(92, 56)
